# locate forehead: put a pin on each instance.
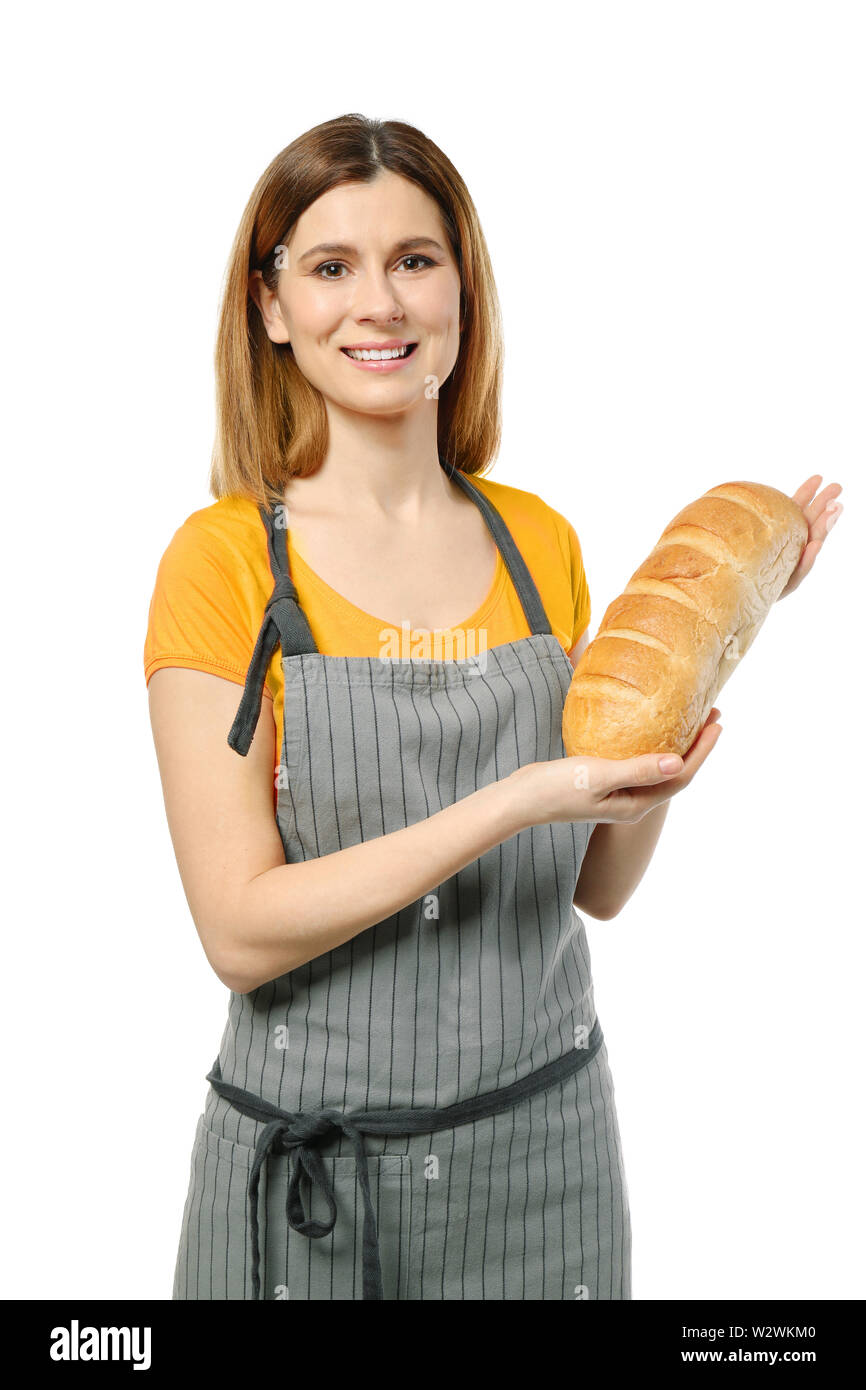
(374, 213)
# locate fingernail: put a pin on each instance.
(670, 764)
(835, 510)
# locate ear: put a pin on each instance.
(268, 305)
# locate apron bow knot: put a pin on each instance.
(308, 1126)
(302, 1133)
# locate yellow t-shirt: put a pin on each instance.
(214, 580)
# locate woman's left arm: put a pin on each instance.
(616, 860)
(619, 852)
(618, 855)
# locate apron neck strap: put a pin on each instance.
(517, 568)
(284, 624)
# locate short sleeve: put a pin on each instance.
(579, 588)
(198, 615)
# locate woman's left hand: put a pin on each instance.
(820, 513)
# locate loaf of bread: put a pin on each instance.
(684, 621)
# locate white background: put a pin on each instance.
(673, 197)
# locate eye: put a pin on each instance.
(328, 265)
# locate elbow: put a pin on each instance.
(243, 968)
(602, 912)
(229, 958)
(243, 947)
(238, 984)
(233, 971)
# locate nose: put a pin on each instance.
(375, 300)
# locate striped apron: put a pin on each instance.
(427, 1111)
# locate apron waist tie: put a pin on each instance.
(302, 1133)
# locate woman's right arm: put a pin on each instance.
(257, 916)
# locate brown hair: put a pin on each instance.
(271, 422)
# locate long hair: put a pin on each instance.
(271, 423)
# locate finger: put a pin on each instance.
(828, 518)
(694, 758)
(627, 803)
(806, 491)
(807, 560)
(699, 751)
(814, 509)
(711, 719)
(643, 771)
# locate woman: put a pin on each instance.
(412, 1098)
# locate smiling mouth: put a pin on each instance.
(379, 354)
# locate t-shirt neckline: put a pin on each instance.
(336, 599)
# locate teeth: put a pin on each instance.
(375, 354)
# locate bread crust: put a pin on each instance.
(688, 615)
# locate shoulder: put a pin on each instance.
(226, 530)
(212, 583)
(533, 521)
(218, 553)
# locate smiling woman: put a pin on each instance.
(412, 1070)
(296, 271)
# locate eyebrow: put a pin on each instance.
(338, 248)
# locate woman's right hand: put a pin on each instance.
(608, 789)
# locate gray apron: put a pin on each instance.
(427, 1111)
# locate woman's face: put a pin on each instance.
(349, 278)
